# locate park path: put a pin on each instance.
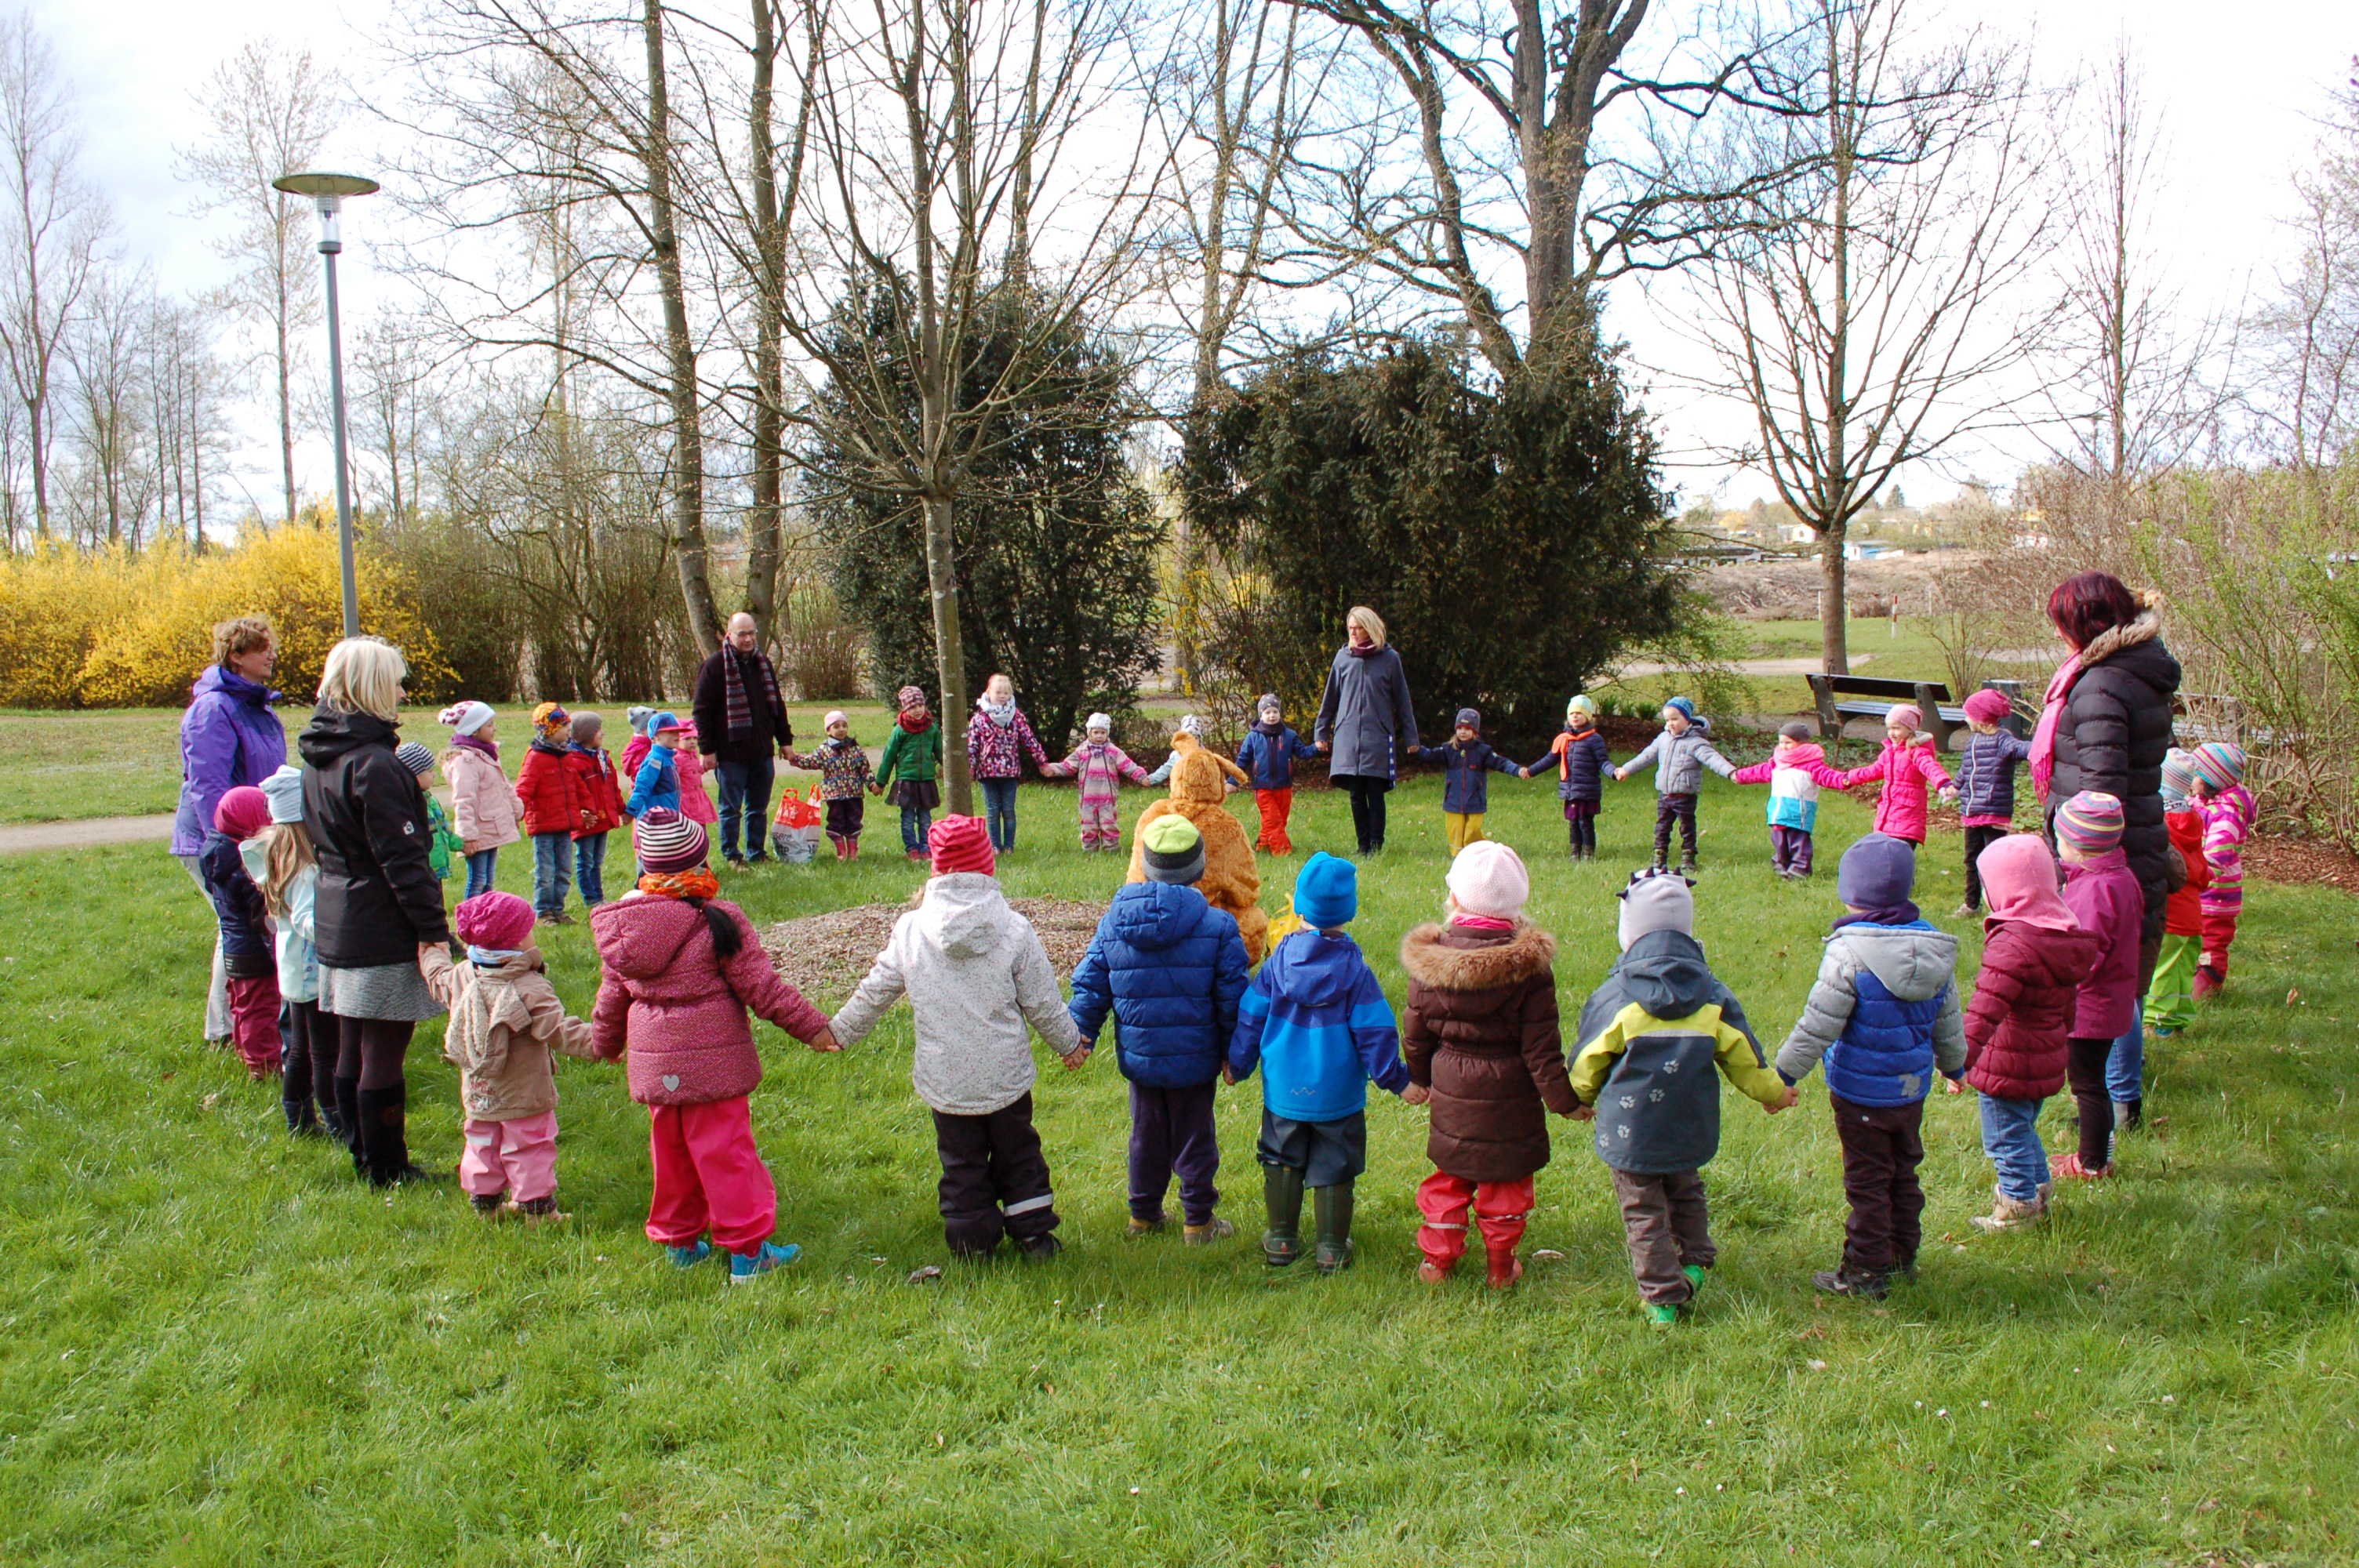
(22, 838)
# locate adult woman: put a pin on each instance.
(1365, 722)
(228, 737)
(377, 899)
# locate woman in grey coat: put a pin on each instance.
(1366, 721)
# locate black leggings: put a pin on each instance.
(2084, 1064)
(1367, 808)
(1977, 840)
(371, 1050)
(311, 1050)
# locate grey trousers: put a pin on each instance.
(217, 997)
(1668, 1228)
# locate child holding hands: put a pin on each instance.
(1908, 770)
(1100, 765)
(1680, 754)
(1582, 764)
(1986, 784)
(1465, 792)
(1267, 755)
(1794, 773)
(905, 773)
(843, 774)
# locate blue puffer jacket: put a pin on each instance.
(1317, 1023)
(1884, 1014)
(1987, 773)
(1171, 967)
(1581, 761)
(1465, 786)
(245, 920)
(1269, 759)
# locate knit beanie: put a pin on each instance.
(1099, 721)
(1796, 730)
(1988, 707)
(1192, 725)
(1583, 703)
(242, 812)
(1173, 850)
(1906, 716)
(499, 921)
(1656, 900)
(908, 697)
(466, 718)
(1468, 718)
(414, 757)
(2178, 774)
(667, 841)
(1489, 879)
(2090, 822)
(961, 844)
(636, 717)
(586, 728)
(661, 723)
(1268, 705)
(1876, 872)
(2220, 763)
(1327, 890)
(835, 716)
(1685, 707)
(283, 790)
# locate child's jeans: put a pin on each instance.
(518, 1158)
(2011, 1138)
(1667, 1226)
(709, 1176)
(1500, 1208)
(916, 822)
(1978, 839)
(2170, 1000)
(999, 812)
(1882, 1147)
(481, 865)
(1670, 808)
(994, 1179)
(1463, 828)
(1101, 823)
(1171, 1133)
(253, 1021)
(1581, 817)
(590, 869)
(1789, 851)
(1276, 806)
(552, 870)
(2125, 1063)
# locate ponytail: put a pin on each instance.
(727, 937)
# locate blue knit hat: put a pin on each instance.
(1684, 706)
(1877, 872)
(1327, 890)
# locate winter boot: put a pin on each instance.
(348, 1117)
(541, 1211)
(1505, 1268)
(302, 1120)
(1854, 1283)
(1688, 866)
(2008, 1213)
(1333, 1207)
(1282, 1190)
(385, 1142)
(486, 1205)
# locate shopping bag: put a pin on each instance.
(796, 812)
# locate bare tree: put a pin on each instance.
(1860, 323)
(50, 236)
(113, 405)
(392, 366)
(2307, 391)
(268, 110)
(185, 379)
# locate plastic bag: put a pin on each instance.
(795, 811)
(795, 832)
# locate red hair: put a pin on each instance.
(2087, 606)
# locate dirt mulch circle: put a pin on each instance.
(826, 954)
(2303, 860)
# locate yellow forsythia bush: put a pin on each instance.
(109, 629)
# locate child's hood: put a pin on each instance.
(1152, 916)
(963, 915)
(1314, 969)
(1913, 961)
(1664, 972)
(640, 935)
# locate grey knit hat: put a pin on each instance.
(415, 757)
(1656, 900)
(1173, 850)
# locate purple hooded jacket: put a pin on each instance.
(228, 737)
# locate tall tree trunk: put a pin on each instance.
(950, 649)
(1834, 483)
(1834, 650)
(762, 542)
(687, 435)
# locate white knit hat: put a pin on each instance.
(1655, 901)
(466, 718)
(1192, 725)
(1489, 879)
(1099, 721)
(285, 789)
(835, 716)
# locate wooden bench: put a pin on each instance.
(1869, 697)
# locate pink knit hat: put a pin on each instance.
(242, 812)
(2091, 822)
(2020, 877)
(1907, 715)
(961, 844)
(1988, 707)
(1489, 879)
(500, 921)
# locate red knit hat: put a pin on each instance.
(961, 844)
(242, 812)
(498, 921)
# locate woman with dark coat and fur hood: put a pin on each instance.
(1480, 1032)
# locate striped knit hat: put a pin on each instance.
(2220, 763)
(414, 757)
(1173, 850)
(961, 844)
(2090, 822)
(2178, 774)
(908, 697)
(667, 841)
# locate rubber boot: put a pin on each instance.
(1282, 1189)
(348, 1119)
(1335, 1210)
(384, 1137)
(302, 1119)
(1505, 1268)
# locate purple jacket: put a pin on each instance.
(2105, 897)
(228, 737)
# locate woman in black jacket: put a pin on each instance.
(378, 900)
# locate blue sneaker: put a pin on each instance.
(744, 1266)
(690, 1257)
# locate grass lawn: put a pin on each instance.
(1911, 655)
(221, 1350)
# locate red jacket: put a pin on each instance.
(2021, 1012)
(596, 790)
(2183, 914)
(670, 1002)
(544, 788)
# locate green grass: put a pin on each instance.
(220, 1348)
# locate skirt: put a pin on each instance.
(395, 993)
(923, 793)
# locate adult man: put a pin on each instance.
(741, 723)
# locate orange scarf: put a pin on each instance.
(698, 883)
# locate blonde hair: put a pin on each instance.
(364, 675)
(243, 635)
(1367, 621)
(286, 853)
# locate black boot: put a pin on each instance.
(385, 1138)
(302, 1119)
(1282, 1189)
(1333, 1206)
(347, 1122)
(2129, 1115)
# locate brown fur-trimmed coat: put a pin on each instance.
(1231, 878)
(1480, 1029)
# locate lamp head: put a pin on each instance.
(327, 191)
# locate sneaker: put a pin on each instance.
(1039, 1249)
(1661, 1314)
(2069, 1165)
(744, 1266)
(539, 1211)
(1844, 1282)
(1211, 1230)
(1139, 1227)
(690, 1257)
(1965, 912)
(488, 1204)
(2009, 1214)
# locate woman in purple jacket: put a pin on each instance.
(228, 737)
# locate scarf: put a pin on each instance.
(605, 768)
(1900, 914)
(1272, 728)
(698, 883)
(491, 956)
(1481, 921)
(741, 713)
(916, 723)
(1360, 650)
(1000, 713)
(476, 743)
(548, 747)
(2051, 714)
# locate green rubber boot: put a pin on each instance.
(1282, 1188)
(1334, 1211)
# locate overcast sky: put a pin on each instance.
(2235, 99)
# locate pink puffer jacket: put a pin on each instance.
(678, 1007)
(1908, 773)
(695, 802)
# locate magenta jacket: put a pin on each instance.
(676, 1011)
(2105, 896)
(1908, 773)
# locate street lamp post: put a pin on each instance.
(329, 190)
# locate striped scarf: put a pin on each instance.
(741, 713)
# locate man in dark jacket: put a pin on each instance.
(1171, 967)
(741, 725)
